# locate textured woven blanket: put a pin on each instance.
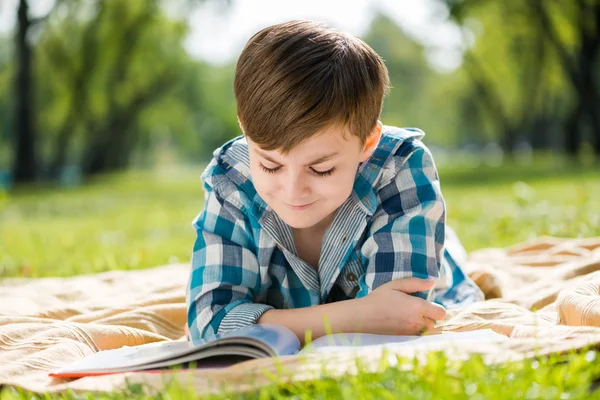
(543, 295)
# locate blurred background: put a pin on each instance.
(109, 109)
(97, 86)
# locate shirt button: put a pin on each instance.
(352, 277)
(344, 238)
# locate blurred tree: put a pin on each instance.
(99, 65)
(417, 91)
(193, 119)
(5, 99)
(145, 61)
(578, 52)
(75, 74)
(117, 61)
(518, 61)
(217, 119)
(25, 143)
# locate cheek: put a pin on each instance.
(263, 183)
(337, 186)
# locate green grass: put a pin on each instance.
(557, 377)
(502, 206)
(142, 219)
(135, 220)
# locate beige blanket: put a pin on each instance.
(543, 295)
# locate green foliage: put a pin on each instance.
(94, 60)
(98, 67)
(417, 91)
(115, 74)
(518, 64)
(213, 116)
(569, 376)
(6, 105)
(531, 66)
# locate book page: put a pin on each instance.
(255, 341)
(343, 342)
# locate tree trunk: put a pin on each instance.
(573, 131)
(590, 96)
(508, 141)
(595, 125)
(25, 160)
(110, 147)
(96, 162)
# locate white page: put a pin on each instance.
(345, 342)
(128, 357)
(252, 341)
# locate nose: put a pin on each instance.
(295, 188)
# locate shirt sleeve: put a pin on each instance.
(224, 272)
(406, 236)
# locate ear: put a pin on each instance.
(371, 142)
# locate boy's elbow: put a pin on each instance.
(202, 323)
(199, 330)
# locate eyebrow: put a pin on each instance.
(318, 160)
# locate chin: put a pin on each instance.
(297, 223)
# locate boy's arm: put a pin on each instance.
(224, 272)
(389, 310)
(408, 229)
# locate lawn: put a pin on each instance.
(142, 219)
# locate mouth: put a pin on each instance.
(299, 207)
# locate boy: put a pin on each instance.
(318, 209)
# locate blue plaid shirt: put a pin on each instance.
(392, 226)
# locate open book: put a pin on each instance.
(256, 341)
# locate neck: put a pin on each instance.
(318, 228)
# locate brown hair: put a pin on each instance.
(296, 78)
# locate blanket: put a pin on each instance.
(544, 295)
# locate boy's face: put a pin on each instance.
(307, 185)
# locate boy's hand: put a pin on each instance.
(390, 310)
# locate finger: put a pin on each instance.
(434, 311)
(411, 285)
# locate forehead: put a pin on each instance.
(329, 140)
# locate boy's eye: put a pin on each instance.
(318, 173)
(324, 173)
(269, 170)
